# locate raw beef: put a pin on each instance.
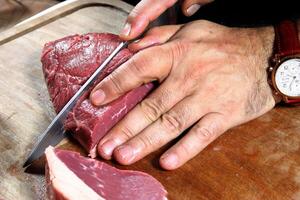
(71, 176)
(67, 64)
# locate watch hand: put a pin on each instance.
(292, 83)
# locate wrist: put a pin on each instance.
(267, 37)
(284, 62)
(268, 44)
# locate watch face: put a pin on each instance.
(287, 77)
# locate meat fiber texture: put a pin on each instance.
(71, 176)
(67, 64)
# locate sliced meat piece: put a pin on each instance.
(72, 176)
(90, 123)
(67, 64)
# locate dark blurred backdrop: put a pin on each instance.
(227, 12)
(244, 12)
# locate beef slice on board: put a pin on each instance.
(70, 176)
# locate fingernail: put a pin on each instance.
(98, 97)
(126, 30)
(127, 153)
(193, 9)
(171, 160)
(108, 147)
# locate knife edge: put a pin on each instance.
(55, 131)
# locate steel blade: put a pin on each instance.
(50, 137)
(55, 131)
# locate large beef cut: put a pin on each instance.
(67, 64)
(72, 176)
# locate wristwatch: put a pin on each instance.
(284, 70)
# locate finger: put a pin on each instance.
(148, 111)
(190, 7)
(165, 129)
(203, 133)
(154, 36)
(142, 68)
(142, 14)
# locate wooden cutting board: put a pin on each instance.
(12, 12)
(258, 160)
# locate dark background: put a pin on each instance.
(244, 12)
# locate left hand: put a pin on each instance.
(212, 78)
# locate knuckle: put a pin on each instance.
(186, 149)
(151, 109)
(204, 134)
(139, 64)
(145, 65)
(171, 122)
(127, 133)
(115, 83)
(146, 141)
(179, 48)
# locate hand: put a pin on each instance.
(211, 78)
(147, 11)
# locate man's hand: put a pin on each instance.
(211, 79)
(147, 11)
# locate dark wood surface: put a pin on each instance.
(257, 160)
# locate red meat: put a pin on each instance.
(67, 64)
(71, 176)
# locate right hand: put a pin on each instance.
(147, 11)
(211, 77)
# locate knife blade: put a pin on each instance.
(55, 131)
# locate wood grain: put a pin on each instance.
(53, 13)
(257, 160)
(14, 11)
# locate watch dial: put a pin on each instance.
(287, 78)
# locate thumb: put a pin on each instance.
(155, 36)
(190, 7)
(140, 69)
(142, 14)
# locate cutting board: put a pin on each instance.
(257, 160)
(12, 12)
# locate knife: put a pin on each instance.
(55, 131)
